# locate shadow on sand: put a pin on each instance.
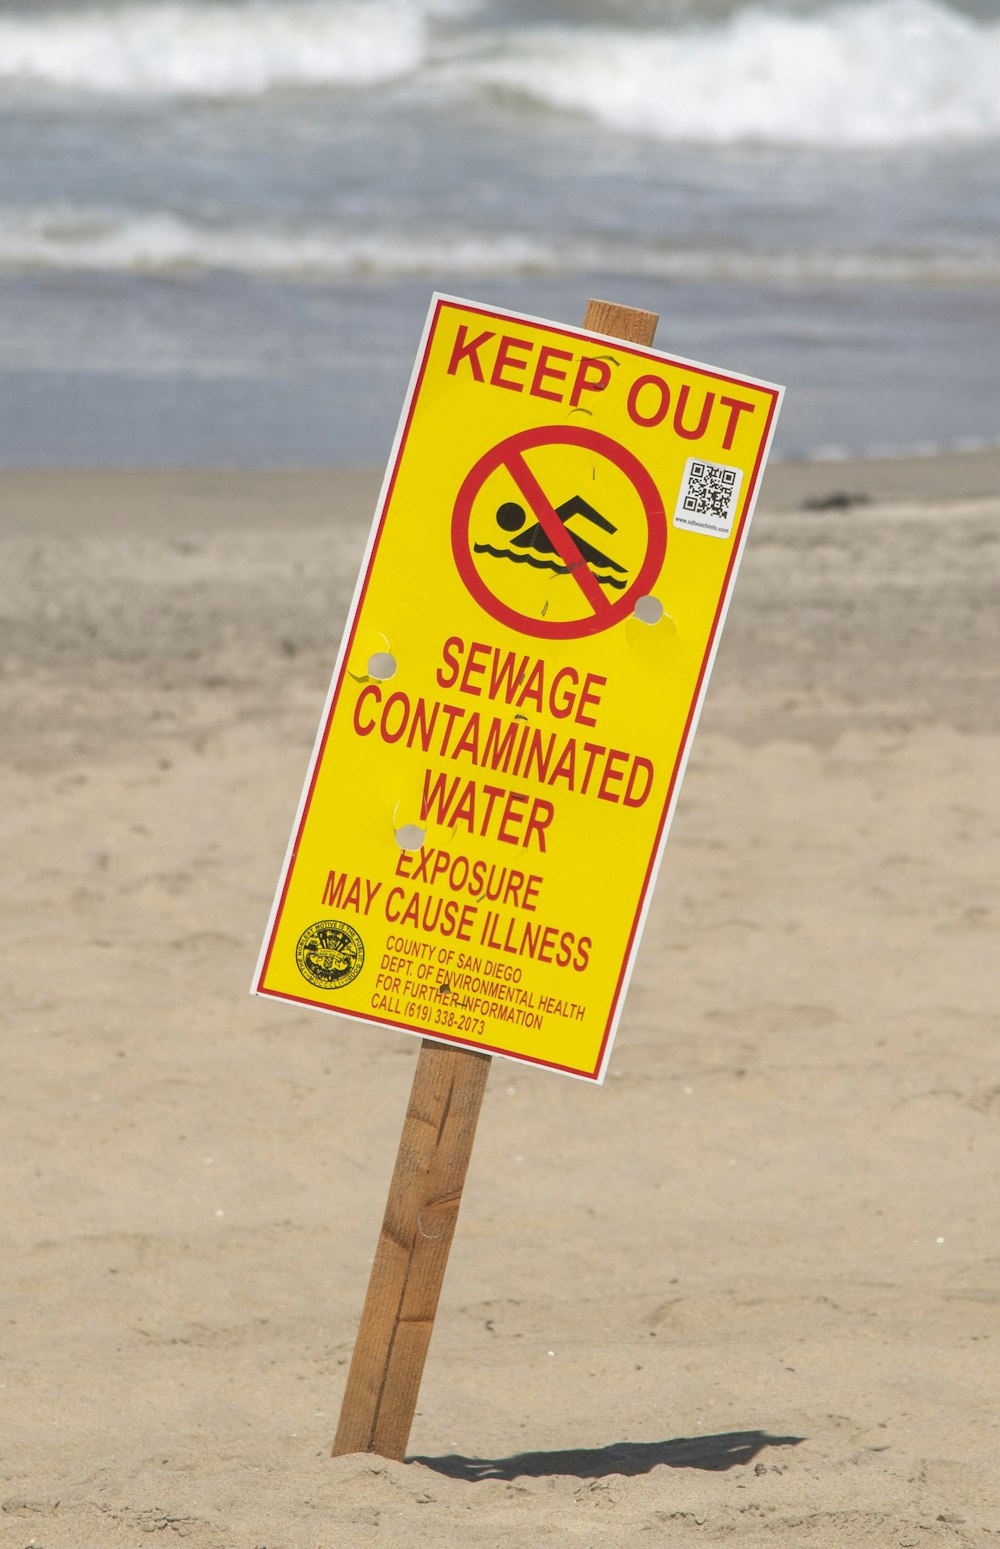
(620, 1457)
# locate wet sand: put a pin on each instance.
(747, 1292)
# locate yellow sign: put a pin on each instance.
(517, 688)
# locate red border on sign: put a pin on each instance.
(603, 611)
(747, 499)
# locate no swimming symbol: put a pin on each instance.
(533, 535)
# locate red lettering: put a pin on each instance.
(421, 860)
(475, 665)
(376, 692)
(485, 672)
(592, 749)
(706, 409)
(438, 796)
(592, 376)
(465, 812)
(562, 708)
(502, 675)
(736, 407)
(403, 703)
(506, 358)
(451, 713)
(441, 862)
(468, 349)
(539, 819)
(512, 818)
(543, 369)
(588, 697)
(611, 775)
(632, 798)
(659, 412)
(493, 792)
(546, 944)
(450, 651)
(535, 686)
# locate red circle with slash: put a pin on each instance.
(603, 612)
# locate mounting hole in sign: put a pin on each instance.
(382, 666)
(649, 610)
(411, 836)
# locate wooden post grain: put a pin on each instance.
(629, 323)
(426, 1189)
(412, 1254)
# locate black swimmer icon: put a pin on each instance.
(536, 548)
(531, 530)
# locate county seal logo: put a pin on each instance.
(330, 954)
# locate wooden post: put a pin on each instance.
(412, 1253)
(629, 323)
(426, 1189)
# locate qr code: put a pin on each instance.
(708, 498)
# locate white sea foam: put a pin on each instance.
(866, 72)
(872, 72)
(162, 243)
(169, 47)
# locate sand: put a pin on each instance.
(746, 1293)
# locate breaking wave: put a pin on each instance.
(164, 244)
(173, 48)
(870, 72)
(890, 72)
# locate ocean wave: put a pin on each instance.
(869, 72)
(889, 72)
(168, 47)
(165, 244)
